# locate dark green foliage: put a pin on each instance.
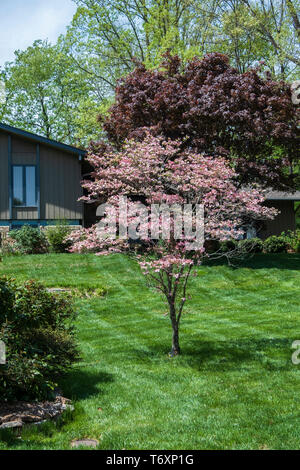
(275, 244)
(56, 236)
(36, 327)
(211, 246)
(293, 240)
(228, 245)
(251, 245)
(30, 240)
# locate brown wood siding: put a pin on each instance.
(19, 145)
(286, 220)
(24, 213)
(23, 159)
(22, 152)
(4, 198)
(60, 176)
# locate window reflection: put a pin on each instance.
(24, 186)
(18, 186)
(30, 186)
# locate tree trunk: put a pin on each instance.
(175, 341)
(175, 338)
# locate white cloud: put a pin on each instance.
(22, 22)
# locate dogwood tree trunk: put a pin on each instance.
(175, 326)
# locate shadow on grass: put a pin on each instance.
(262, 261)
(9, 437)
(81, 384)
(272, 354)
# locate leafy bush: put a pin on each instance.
(57, 237)
(9, 247)
(293, 240)
(37, 329)
(251, 245)
(275, 244)
(30, 240)
(228, 245)
(211, 246)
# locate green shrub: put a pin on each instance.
(37, 329)
(9, 247)
(251, 245)
(211, 246)
(30, 240)
(275, 244)
(57, 237)
(228, 245)
(293, 240)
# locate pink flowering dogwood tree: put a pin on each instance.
(154, 174)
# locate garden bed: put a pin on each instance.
(17, 414)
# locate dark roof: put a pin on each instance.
(40, 139)
(283, 196)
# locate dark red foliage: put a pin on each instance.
(215, 110)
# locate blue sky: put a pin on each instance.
(24, 21)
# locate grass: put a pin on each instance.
(234, 387)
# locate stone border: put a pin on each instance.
(15, 415)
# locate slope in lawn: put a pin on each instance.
(233, 387)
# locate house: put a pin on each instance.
(40, 183)
(39, 180)
(286, 220)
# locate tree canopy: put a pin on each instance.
(153, 175)
(213, 109)
(58, 89)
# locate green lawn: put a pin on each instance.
(234, 387)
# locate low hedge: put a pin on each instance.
(275, 244)
(29, 240)
(293, 240)
(57, 237)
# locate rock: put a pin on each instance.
(12, 425)
(40, 422)
(84, 443)
(57, 290)
(32, 413)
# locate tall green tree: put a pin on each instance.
(277, 24)
(46, 94)
(107, 37)
(58, 90)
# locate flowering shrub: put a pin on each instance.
(87, 241)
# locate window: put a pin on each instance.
(24, 186)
